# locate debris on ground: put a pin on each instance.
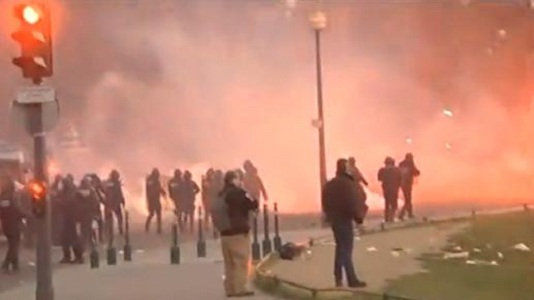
(450, 255)
(371, 249)
(522, 247)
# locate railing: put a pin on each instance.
(265, 278)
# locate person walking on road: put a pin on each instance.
(344, 203)
(408, 171)
(230, 215)
(390, 177)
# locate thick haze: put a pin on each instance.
(193, 84)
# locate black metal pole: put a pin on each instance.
(267, 247)
(201, 243)
(277, 240)
(111, 252)
(94, 257)
(256, 251)
(127, 247)
(45, 288)
(175, 248)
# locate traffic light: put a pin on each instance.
(38, 191)
(35, 39)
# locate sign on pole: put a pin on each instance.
(36, 94)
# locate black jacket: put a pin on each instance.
(239, 208)
(10, 213)
(343, 199)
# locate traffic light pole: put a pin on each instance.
(45, 289)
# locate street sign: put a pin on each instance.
(24, 115)
(36, 94)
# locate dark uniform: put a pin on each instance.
(114, 201)
(390, 176)
(409, 171)
(11, 220)
(355, 172)
(56, 189)
(71, 231)
(174, 188)
(189, 192)
(154, 191)
(208, 186)
(343, 203)
(89, 211)
(98, 187)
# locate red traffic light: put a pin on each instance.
(37, 190)
(31, 14)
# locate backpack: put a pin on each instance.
(219, 213)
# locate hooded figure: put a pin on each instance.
(390, 177)
(252, 182)
(408, 171)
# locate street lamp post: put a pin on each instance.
(318, 22)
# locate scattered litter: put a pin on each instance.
(121, 252)
(408, 250)
(522, 247)
(494, 263)
(395, 253)
(357, 238)
(450, 255)
(371, 249)
(31, 264)
(476, 250)
(470, 262)
(139, 251)
(500, 255)
(488, 246)
(457, 248)
(482, 262)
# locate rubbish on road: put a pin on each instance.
(482, 262)
(476, 250)
(357, 238)
(395, 253)
(500, 255)
(494, 263)
(31, 264)
(470, 262)
(450, 255)
(457, 248)
(522, 247)
(371, 249)
(139, 251)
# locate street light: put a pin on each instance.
(318, 22)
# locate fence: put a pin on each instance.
(266, 280)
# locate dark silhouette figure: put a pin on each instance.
(355, 172)
(114, 202)
(174, 187)
(343, 204)
(11, 219)
(390, 176)
(154, 192)
(252, 182)
(71, 234)
(189, 192)
(409, 171)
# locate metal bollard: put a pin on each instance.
(111, 252)
(94, 256)
(127, 247)
(201, 243)
(256, 251)
(277, 240)
(175, 247)
(267, 247)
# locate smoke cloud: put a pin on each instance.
(193, 84)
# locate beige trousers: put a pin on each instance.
(236, 254)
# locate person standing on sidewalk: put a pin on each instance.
(343, 204)
(230, 215)
(11, 220)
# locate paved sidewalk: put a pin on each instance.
(378, 257)
(149, 276)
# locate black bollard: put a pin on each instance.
(127, 247)
(256, 251)
(277, 240)
(175, 248)
(111, 252)
(94, 257)
(266, 244)
(201, 243)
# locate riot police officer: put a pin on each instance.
(154, 192)
(114, 201)
(174, 188)
(88, 207)
(11, 219)
(71, 230)
(189, 191)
